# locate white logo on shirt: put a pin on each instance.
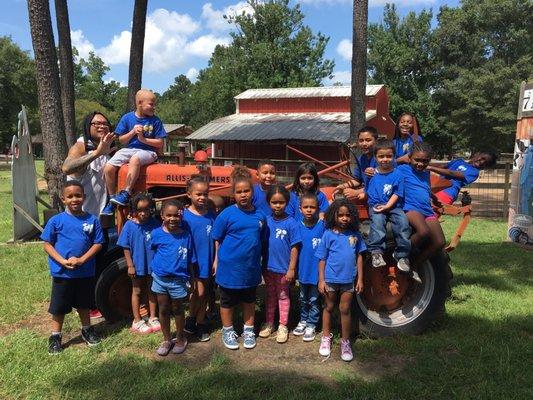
(405, 147)
(260, 224)
(316, 242)
(461, 168)
(147, 236)
(352, 240)
(280, 233)
(87, 228)
(387, 189)
(208, 230)
(182, 252)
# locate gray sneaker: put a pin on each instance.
(404, 265)
(248, 336)
(300, 329)
(229, 338)
(309, 334)
(377, 260)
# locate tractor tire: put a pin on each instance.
(113, 291)
(417, 311)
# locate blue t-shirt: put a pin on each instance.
(241, 235)
(282, 236)
(200, 227)
(470, 172)
(259, 200)
(72, 236)
(383, 185)
(173, 253)
(152, 126)
(136, 238)
(364, 162)
(340, 251)
(404, 146)
(293, 208)
(417, 190)
(307, 261)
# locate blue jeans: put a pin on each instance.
(309, 304)
(400, 229)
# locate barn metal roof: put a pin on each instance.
(316, 127)
(301, 92)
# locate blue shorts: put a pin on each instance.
(174, 287)
(339, 287)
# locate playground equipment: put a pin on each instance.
(391, 303)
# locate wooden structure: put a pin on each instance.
(315, 120)
(175, 133)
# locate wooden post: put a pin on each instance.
(507, 182)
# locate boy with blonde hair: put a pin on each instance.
(142, 132)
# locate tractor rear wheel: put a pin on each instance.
(394, 304)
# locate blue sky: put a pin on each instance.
(181, 34)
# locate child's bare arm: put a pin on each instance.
(77, 261)
(52, 252)
(359, 286)
(446, 172)
(215, 260)
(124, 139)
(403, 159)
(149, 141)
(291, 272)
(386, 207)
(129, 263)
(321, 280)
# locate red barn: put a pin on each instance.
(313, 119)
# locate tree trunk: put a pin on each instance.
(54, 142)
(66, 70)
(359, 48)
(136, 51)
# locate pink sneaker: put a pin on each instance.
(154, 324)
(346, 350)
(325, 345)
(95, 314)
(140, 327)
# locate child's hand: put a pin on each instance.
(361, 196)
(359, 287)
(66, 264)
(322, 287)
(370, 172)
(289, 276)
(380, 208)
(131, 271)
(138, 129)
(192, 282)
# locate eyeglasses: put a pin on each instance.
(99, 124)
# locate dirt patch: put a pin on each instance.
(39, 322)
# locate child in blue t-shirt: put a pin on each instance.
(135, 240)
(71, 240)
(266, 173)
(143, 135)
(406, 134)
(462, 173)
(385, 192)
(239, 234)
(365, 166)
(172, 273)
(428, 235)
(199, 220)
(311, 231)
(341, 263)
(306, 181)
(279, 267)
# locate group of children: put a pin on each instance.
(269, 233)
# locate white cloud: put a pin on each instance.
(172, 22)
(110, 79)
(80, 42)
(205, 45)
(343, 77)
(344, 49)
(192, 74)
(118, 51)
(371, 3)
(214, 19)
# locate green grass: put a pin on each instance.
(481, 349)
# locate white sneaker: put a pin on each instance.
(309, 334)
(325, 346)
(404, 265)
(377, 260)
(300, 329)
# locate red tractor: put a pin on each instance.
(391, 302)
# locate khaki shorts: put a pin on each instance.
(124, 155)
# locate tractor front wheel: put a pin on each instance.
(113, 291)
